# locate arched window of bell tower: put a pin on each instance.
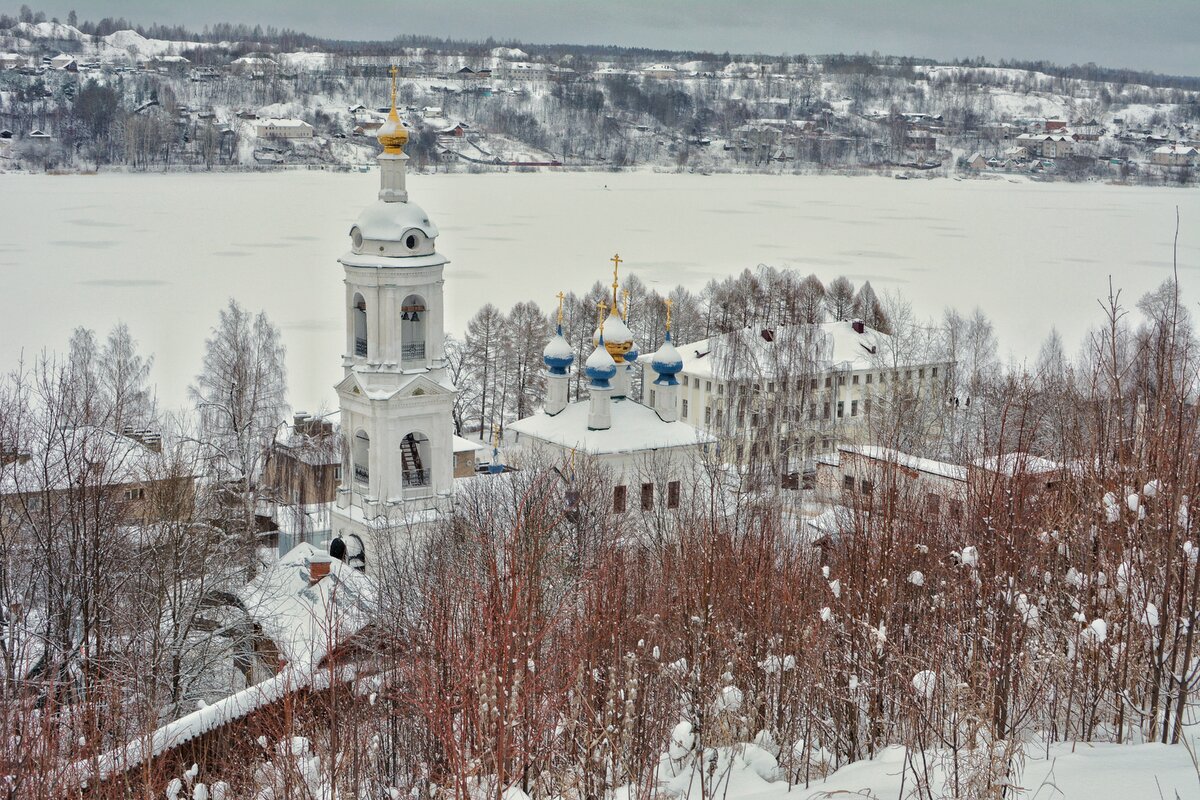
(416, 458)
(360, 325)
(414, 320)
(361, 457)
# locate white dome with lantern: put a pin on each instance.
(393, 229)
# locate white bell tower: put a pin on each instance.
(396, 401)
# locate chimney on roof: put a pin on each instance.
(858, 325)
(301, 421)
(318, 567)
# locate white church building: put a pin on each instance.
(395, 397)
(647, 449)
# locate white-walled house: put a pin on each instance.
(283, 129)
(1047, 145)
(1174, 155)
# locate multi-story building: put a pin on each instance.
(776, 398)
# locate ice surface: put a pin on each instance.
(165, 252)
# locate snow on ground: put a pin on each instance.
(164, 252)
(1072, 772)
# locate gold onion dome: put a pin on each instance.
(392, 134)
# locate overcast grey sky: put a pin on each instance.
(1161, 35)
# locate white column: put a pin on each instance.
(391, 178)
(390, 325)
(600, 408)
(556, 392)
(349, 351)
(373, 326)
(666, 400)
(621, 381)
(441, 447)
(435, 333)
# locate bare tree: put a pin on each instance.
(240, 401)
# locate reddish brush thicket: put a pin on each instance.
(537, 640)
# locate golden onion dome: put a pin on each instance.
(392, 134)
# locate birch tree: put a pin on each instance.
(240, 400)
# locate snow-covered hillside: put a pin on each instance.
(571, 108)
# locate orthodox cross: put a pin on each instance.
(616, 259)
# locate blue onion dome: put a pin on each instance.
(667, 363)
(618, 339)
(632, 354)
(558, 355)
(600, 367)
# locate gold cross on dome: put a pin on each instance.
(616, 259)
(560, 297)
(394, 71)
(668, 303)
(603, 306)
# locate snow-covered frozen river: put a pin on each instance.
(164, 252)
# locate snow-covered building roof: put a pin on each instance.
(254, 60)
(462, 445)
(634, 428)
(307, 621)
(513, 53)
(85, 455)
(277, 122)
(751, 353)
(1176, 150)
(930, 466)
(320, 447)
(1014, 464)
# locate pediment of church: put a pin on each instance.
(362, 385)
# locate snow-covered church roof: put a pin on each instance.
(391, 221)
(634, 428)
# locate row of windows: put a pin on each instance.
(827, 410)
(620, 495)
(814, 383)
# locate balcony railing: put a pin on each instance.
(362, 475)
(360, 347)
(413, 352)
(414, 478)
